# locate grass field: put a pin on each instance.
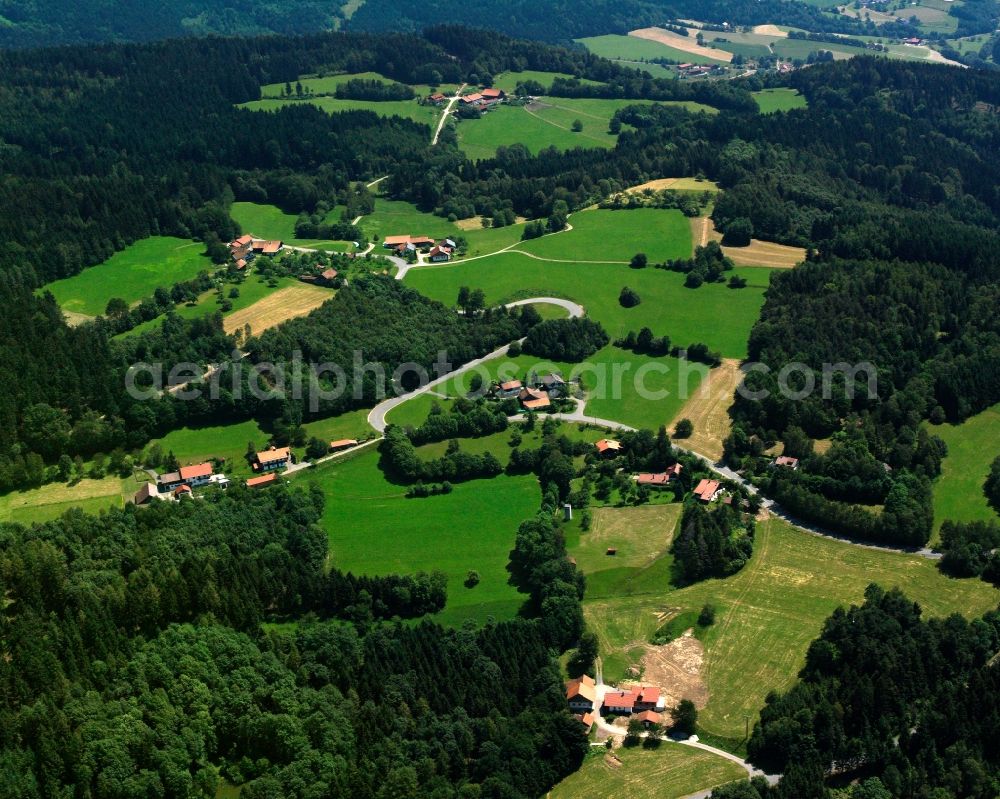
(407, 109)
(374, 529)
(772, 100)
(54, 499)
(547, 123)
(792, 49)
(329, 83)
(719, 316)
(670, 772)
(396, 217)
(632, 48)
(131, 274)
(508, 80)
(252, 290)
(270, 222)
(277, 307)
(958, 493)
(768, 613)
(196, 444)
(642, 535)
(601, 235)
(714, 314)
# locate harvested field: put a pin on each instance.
(685, 43)
(759, 253)
(476, 223)
(708, 410)
(274, 309)
(676, 669)
(675, 184)
(770, 30)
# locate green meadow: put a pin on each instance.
(397, 217)
(50, 501)
(767, 614)
(958, 492)
(270, 222)
(508, 80)
(600, 235)
(228, 441)
(714, 314)
(328, 84)
(672, 770)
(771, 100)
(374, 529)
(632, 48)
(131, 274)
(407, 109)
(251, 290)
(548, 123)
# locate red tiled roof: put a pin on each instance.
(706, 488)
(649, 717)
(263, 480)
(343, 442)
(535, 404)
(657, 479)
(196, 471)
(146, 492)
(786, 460)
(582, 686)
(492, 92)
(241, 264)
(620, 699)
(608, 445)
(649, 695)
(272, 455)
(472, 98)
(271, 247)
(510, 385)
(392, 241)
(328, 274)
(182, 489)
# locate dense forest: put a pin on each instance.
(133, 662)
(33, 24)
(905, 705)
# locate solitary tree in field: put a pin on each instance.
(116, 307)
(639, 261)
(577, 126)
(683, 429)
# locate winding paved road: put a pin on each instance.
(376, 417)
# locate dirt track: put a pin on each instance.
(678, 42)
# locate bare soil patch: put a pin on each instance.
(685, 43)
(476, 222)
(676, 668)
(708, 409)
(286, 303)
(73, 319)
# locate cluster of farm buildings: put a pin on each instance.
(245, 248)
(535, 393)
(265, 464)
(484, 99)
(436, 251)
(585, 702)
